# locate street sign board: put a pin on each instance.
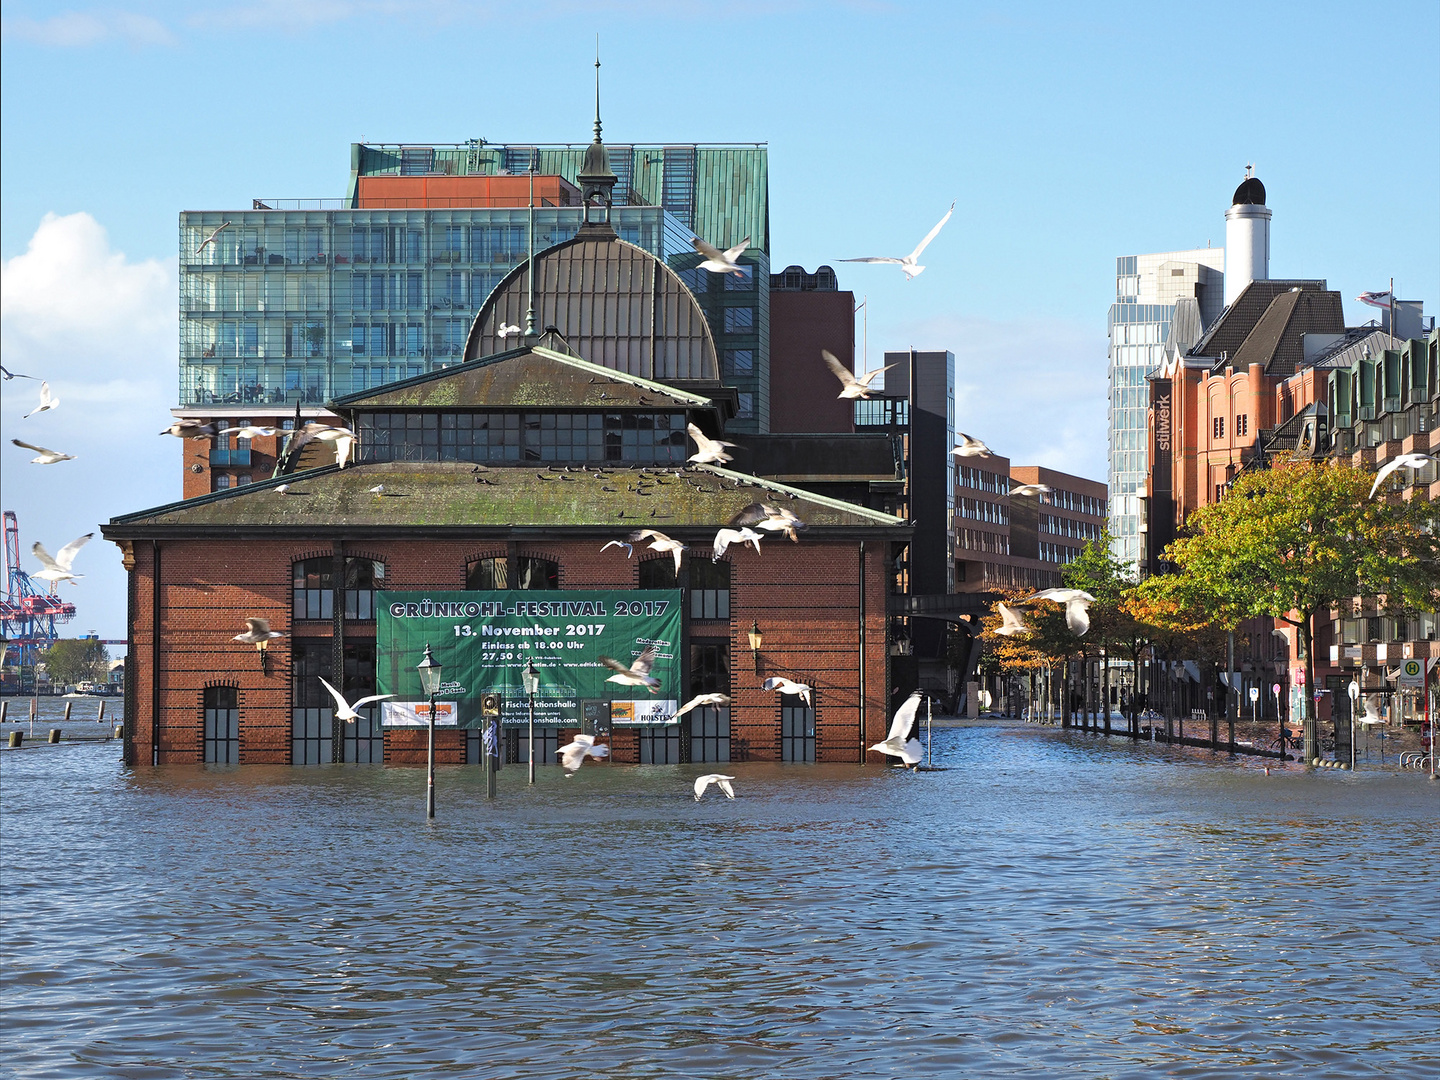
(1412, 674)
(486, 640)
(1254, 693)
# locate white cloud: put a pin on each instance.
(78, 29)
(1035, 391)
(102, 330)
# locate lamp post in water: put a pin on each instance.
(1354, 690)
(429, 669)
(531, 679)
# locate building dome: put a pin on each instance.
(615, 305)
(1251, 192)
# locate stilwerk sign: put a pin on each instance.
(486, 640)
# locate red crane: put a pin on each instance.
(28, 617)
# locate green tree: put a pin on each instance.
(76, 660)
(1298, 539)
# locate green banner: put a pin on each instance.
(485, 641)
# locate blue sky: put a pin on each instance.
(1068, 134)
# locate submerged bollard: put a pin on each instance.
(100, 716)
(68, 706)
(119, 732)
(4, 711)
(54, 735)
(16, 738)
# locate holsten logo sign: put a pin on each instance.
(485, 641)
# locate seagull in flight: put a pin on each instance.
(708, 451)
(211, 238)
(769, 519)
(7, 374)
(190, 429)
(637, 674)
(898, 743)
(971, 447)
(1031, 489)
(47, 457)
(785, 686)
(1403, 461)
(58, 568)
(573, 754)
(721, 262)
(342, 438)
(506, 330)
(850, 386)
(720, 780)
(716, 700)
(910, 263)
(1076, 602)
(249, 431)
(658, 542)
(346, 711)
(725, 537)
(1010, 622)
(629, 548)
(46, 402)
(258, 631)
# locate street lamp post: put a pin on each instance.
(531, 679)
(429, 669)
(1354, 691)
(757, 638)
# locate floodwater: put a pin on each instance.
(1045, 904)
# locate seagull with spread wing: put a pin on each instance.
(1010, 622)
(629, 548)
(786, 686)
(708, 451)
(573, 754)
(7, 374)
(720, 780)
(248, 431)
(850, 386)
(257, 630)
(46, 402)
(344, 710)
(721, 262)
(1031, 489)
(637, 674)
(769, 518)
(969, 447)
(506, 329)
(910, 263)
(725, 537)
(190, 429)
(47, 457)
(58, 568)
(898, 742)
(658, 542)
(342, 438)
(1076, 601)
(211, 238)
(1403, 461)
(714, 700)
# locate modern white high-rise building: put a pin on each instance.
(1147, 288)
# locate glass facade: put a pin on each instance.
(286, 306)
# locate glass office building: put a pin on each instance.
(304, 300)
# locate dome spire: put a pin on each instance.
(596, 179)
(597, 87)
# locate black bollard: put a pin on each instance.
(54, 735)
(16, 738)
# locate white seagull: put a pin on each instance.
(248, 431)
(189, 429)
(637, 674)
(47, 457)
(342, 438)
(785, 686)
(573, 754)
(378, 491)
(898, 743)
(58, 568)
(259, 630)
(211, 238)
(850, 386)
(721, 262)
(6, 373)
(725, 537)
(506, 330)
(282, 489)
(346, 711)
(769, 518)
(629, 548)
(708, 451)
(1010, 622)
(704, 699)
(1076, 601)
(46, 402)
(658, 542)
(970, 447)
(1404, 461)
(1031, 489)
(910, 263)
(720, 780)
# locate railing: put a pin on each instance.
(300, 204)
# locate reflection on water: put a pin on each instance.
(1048, 905)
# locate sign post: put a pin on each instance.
(1354, 691)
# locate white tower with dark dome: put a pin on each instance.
(1247, 237)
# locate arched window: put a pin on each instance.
(658, 573)
(314, 589)
(524, 572)
(362, 578)
(709, 589)
(221, 705)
